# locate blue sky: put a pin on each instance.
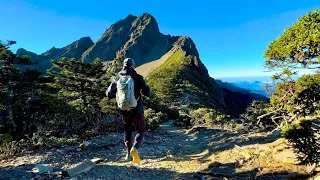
(231, 36)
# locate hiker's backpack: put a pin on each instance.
(125, 93)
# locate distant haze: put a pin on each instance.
(246, 78)
(253, 83)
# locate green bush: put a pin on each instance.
(308, 101)
(4, 140)
(258, 108)
(109, 107)
(154, 119)
(183, 121)
(208, 117)
(154, 103)
(304, 137)
(62, 141)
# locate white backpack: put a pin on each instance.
(125, 93)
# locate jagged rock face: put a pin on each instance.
(135, 37)
(111, 41)
(74, 50)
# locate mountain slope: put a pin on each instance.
(254, 86)
(234, 88)
(182, 79)
(73, 50)
(237, 101)
(147, 68)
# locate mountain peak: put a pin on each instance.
(146, 20)
(84, 43)
(130, 37)
(21, 50)
(24, 52)
(129, 17)
(86, 38)
(187, 44)
(147, 17)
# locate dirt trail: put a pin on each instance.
(169, 153)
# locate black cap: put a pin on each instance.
(128, 62)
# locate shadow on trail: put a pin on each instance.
(223, 171)
(97, 172)
(200, 142)
(12, 172)
(227, 171)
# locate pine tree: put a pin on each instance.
(298, 47)
(9, 72)
(82, 84)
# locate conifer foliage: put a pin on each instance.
(83, 85)
(9, 81)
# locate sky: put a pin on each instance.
(231, 36)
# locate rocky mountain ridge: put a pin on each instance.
(73, 50)
(139, 37)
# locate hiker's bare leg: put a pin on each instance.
(128, 129)
(128, 140)
(138, 139)
(140, 125)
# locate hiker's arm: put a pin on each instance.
(112, 89)
(145, 89)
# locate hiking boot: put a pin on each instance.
(134, 153)
(128, 157)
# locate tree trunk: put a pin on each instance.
(9, 103)
(82, 95)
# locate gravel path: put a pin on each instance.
(167, 153)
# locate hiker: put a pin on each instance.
(131, 106)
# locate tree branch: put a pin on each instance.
(264, 115)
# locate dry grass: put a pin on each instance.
(145, 69)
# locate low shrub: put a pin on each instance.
(154, 119)
(304, 137)
(61, 141)
(208, 117)
(256, 109)
(4, 140)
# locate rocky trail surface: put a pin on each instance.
(168, 153)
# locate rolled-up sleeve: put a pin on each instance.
(112, 89)
(145, 89)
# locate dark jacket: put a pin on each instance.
(140, 86)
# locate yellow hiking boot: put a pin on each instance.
(134, 153)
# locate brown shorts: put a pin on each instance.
(133, 121)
